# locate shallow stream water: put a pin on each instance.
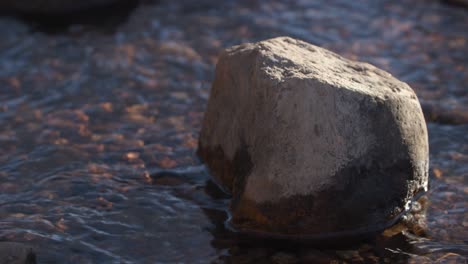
(96, 118)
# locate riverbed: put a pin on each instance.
(100, 114)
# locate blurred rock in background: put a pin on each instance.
(52, 6)
(459, 3)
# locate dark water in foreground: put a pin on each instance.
(91, 116)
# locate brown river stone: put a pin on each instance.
(310, 143)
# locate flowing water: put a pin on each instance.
(99, 123)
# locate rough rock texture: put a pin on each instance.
(310, 143)
(16, 253)
(51, 6)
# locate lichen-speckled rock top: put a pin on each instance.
(51, 6)
(310, 143)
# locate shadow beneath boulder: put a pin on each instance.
(250, 248)
(393, 246)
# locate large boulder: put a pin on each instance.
(16, 253)
(52, 6)
(310, 143)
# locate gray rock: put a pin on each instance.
(51, 6)
(16, 253)
(312, 144)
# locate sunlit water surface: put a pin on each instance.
(99, 124)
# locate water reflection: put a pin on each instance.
(393, 246)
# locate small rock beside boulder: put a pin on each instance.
(51, 6)
(16, 253)
(310, 143)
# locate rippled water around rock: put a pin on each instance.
(95, 120)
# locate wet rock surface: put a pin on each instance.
(51, 6)
(312, 144)
(16, 253)
(90, 113)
